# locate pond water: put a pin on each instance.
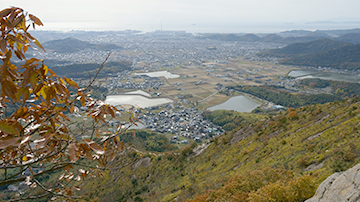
(238, 103)
(303, 74)
(165, 74)
(136, 100)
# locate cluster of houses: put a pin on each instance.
(148, 83)
(181, 121)
(153, 50)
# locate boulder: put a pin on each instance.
(342, 186)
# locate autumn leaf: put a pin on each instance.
(9, 142)
(37, 43)
(5, 127)
(71, 83)
(5, 12)
(94, 146)
(34, 127)
(36, 20)
(3, 45)
(72, 153)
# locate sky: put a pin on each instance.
(190, 14)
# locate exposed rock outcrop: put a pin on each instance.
(242, 134)
(343, 186)
(142, 162)
(200, 148)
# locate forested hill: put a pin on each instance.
(70, 45)
(346, 57)
(311, 47)
(279, 158)
(350, 37)
(323, 52)
(83, 70)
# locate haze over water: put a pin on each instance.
(195, 28)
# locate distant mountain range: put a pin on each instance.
(70, 45)
(289, 37)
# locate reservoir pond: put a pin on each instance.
(165, 74)
(139, 99)
(303, 74)
(237, 103)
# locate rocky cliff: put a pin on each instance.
(341, 186)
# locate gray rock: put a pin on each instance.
(142, 162)
(342, 186)
(242, 134)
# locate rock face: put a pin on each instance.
(343, 186)
(242, 134)
(142, 162)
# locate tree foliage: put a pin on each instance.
(345, 57)
(267, 184)
(148, 141)
(37, 134)
(342, 89)
(281, 97)
(229, 120)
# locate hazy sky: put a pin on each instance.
(190, 11)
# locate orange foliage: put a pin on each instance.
(36, 134)
(267, 184)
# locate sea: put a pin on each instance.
(225, 27)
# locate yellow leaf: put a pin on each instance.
(37, 43)
(42, 92)
(82, 100)
(24, 158)
(45, 69)
(5, 127)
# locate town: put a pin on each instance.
(204, 68)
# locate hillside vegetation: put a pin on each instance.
(304, 48)
(70, 45)
(323, 52)
(229, 120)
(346, 57)
(280, 158)
(83, 70)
